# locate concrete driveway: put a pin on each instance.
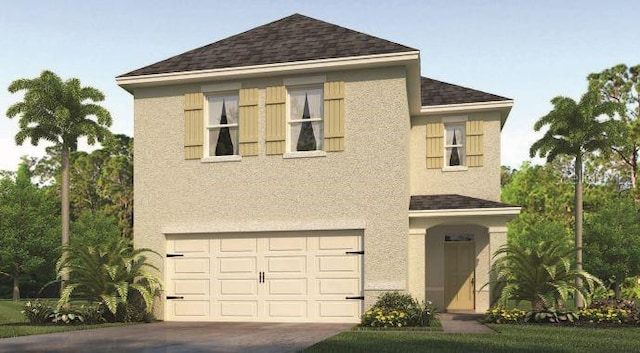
(179, 337)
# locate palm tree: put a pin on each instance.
(59, 112)
(573, 130)
(541, 275)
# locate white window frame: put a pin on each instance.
(457, 121)
(220, 91)
(300, 84)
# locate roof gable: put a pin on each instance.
(293, 38)
(436, 92)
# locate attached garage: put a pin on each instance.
(313, 276)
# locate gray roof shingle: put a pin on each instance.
(293, 38)
(451, 202)
(436, 92)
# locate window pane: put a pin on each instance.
(223, 141)
(305, 104)
(216, 113)
(454, 135)
(305, 135)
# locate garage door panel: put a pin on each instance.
(191, 286)
(191, 266)
(234, 265)
(339, 243)
(287, 309)
(287, 244)
(338, 263)
(341, 286)
(239, 245)
(296, 264)
(238, 287)
(191, 246)
(287, 286)
(190, 309)
(238, 309)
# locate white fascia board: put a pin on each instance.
(130, 82)
(502, 211)
(465, 107)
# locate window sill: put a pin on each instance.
(217, 159)
(306, 154)
(455, 169)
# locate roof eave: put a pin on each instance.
(497, 211)
(504, 106)
(408, 58)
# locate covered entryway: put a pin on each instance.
(268, 277)
(452, 239)
(459, 272)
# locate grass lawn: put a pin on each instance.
(511, 338)
(12, 323)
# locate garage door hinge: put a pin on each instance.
(174, 255)
(361, 252)
(175, 297)
(360, 297)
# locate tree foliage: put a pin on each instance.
(620, 85)
(612, 241)
(27, 230)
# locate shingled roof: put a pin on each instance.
(451, 202)
(436, 92)
(293, 38)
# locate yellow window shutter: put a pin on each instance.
(334, 116)
(275, 119)
(193, 125)
(435, 145)
(474, 148)
(248, 121)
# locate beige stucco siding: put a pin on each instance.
(365, 186)
(481, 182)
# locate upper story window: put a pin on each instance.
(222, 125)
(454, 136)
(305, 130)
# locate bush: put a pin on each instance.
(551, 316)
(604, 315)
(66, 317)
(92, 313)
(505, 316)
(38, 311)
(394, 309)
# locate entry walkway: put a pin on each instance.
(463, 323)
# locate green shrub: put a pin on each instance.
(113, 274)
(38, 311)
(551, 316)
(66, 317)
(92, 313)
(505, 316)
(393, 309)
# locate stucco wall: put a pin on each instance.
(365, 186)
(481, 182)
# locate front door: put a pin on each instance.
(459, 257)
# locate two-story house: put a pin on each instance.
(297, 170)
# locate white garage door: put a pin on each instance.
(283, 277)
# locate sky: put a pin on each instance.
(530, 51)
